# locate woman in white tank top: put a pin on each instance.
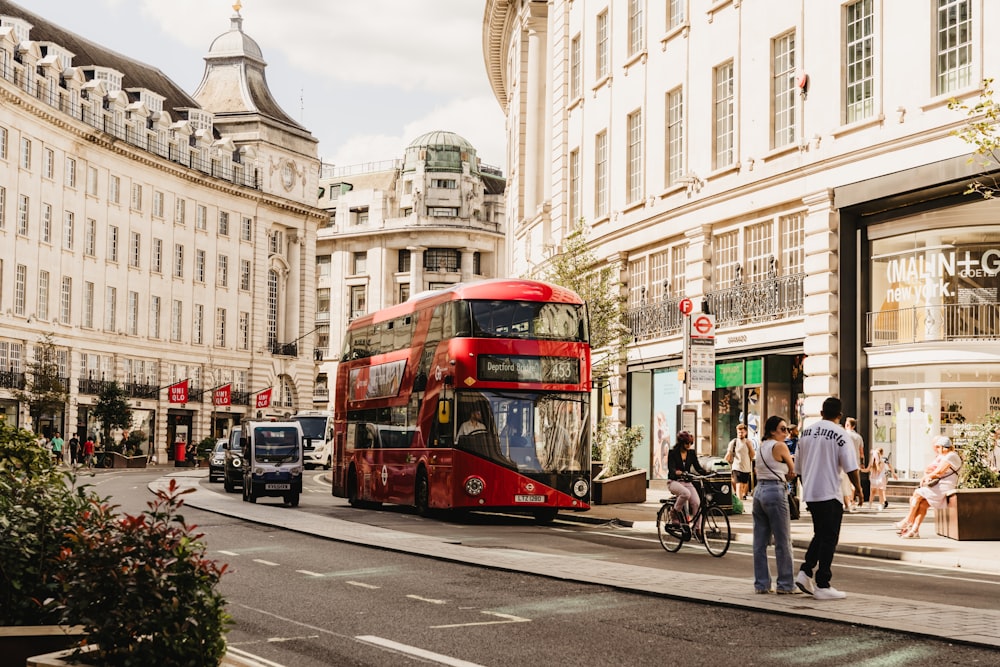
(775, 467)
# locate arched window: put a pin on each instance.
(287, 398)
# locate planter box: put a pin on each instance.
(627, 488)
(122, 461)
(20, 642)
(971, 514)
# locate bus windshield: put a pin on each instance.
(529, 432)
(276, 444)
(528, 319)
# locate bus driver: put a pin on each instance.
(473, 425)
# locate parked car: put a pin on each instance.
(232, 475)
(217, 461)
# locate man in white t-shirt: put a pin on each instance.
(740, 455)
(824, 450)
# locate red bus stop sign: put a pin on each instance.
(704, 326)
(686, 306)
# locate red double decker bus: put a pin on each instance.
(473, 397)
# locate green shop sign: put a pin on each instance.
(729, 375)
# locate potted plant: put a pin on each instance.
(973, 509)
(204, 450)
(619, 481)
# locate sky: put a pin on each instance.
(366, 77)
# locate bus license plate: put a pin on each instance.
(277, 487)
(529, 499)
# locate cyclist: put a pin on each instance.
(681, 460)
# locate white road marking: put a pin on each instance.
(414, 651)
(432, 601)
(249, 659)
(229, 553)
(278, 640)
(507, 618)
(265, 562)
(361, 584)
(311, 574)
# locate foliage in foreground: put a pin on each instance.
(976, 472)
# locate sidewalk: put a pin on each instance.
(864, 533)
(948, 622)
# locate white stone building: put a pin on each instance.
(790, 164)
(157, 236)
(397, 228)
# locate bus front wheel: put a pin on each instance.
(352, 489)
(545, 515)
(422, 493)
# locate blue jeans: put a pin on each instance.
(771, 518)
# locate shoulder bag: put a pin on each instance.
(794, 510)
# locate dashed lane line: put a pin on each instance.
(505, 618)
(423, 599)
(414, 651)
(265, 562)
(361, 584)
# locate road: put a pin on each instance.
(299, 600)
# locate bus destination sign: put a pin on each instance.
(507, 368)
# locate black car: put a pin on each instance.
(232, 475)
(217, 461)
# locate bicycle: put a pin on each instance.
(674, 529)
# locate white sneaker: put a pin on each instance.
(829, 593)
(804, 582)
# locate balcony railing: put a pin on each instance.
(285, 349)
(12, 380)
(777, 297)
(935, 323)
(240, 398)
(93, 386)
(138, 390)
(655, 320)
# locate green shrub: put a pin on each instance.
(618, 445)
(976, 472)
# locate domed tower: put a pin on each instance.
(234, 88)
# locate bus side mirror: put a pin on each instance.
(444, 412)
(244, 443)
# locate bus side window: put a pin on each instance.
(463, 319)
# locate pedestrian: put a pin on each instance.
(74, 450)
(825, 450)
(934, 487)
(792, 441)
(993, 458)
(88, 452)
(775, 468)
(740, 456)
(878, 477)
(57, 448)
(850, 424)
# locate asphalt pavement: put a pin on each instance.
(863, 533)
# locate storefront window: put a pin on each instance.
(666, 398)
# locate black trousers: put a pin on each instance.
(826, 518)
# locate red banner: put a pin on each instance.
(178, 393)
(223, 395)
(264, 398)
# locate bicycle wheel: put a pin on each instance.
(715, 528)
(671, 534)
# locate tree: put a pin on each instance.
(113, 411)
(45, 392)
(578, 268)
(980, 131)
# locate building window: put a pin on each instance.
(157, 204)
(244, 331)
(69, 226)
(3, 207)
(46, 223)
(110, 306)
(245, 275)
(154, 316)
(359, 216)
(446, 183)
(359, 265)
(276, 242)
(675, 13)
(112, 243)
(442, 212)
(723, 115)
(3, 141)
(783, 88)
(43, 296)
(92, 181)
(136, 197)
(201, 217)
(637, 282)
(90, 238)
(178, 260)
(759, 251)
(954, 45)
(20, 288)
(323, 304)
(114, 189)
(603, 48)
(725, 259)
(157, 258)
(859, 65)
(198, 325)
(176, 319)
(441, 259)
(179, 210)
(134, 250)
(88, 305)
(678, 271)
(633, 172)
(574, 187)
(220, 327)
(601, 175)
(23, 208)
(222, 271)
(659, 276)
(223, 223)
(70, 172)
(675, 136)
(272, 308)
(635, 27)
(66, 300)
(132, 320)
(575, 68)
(359, 301)
(48, 163)
(403, 261)
(199, 265)
(246, 230)
(25, 153)
(323, 267)
(404, 292)
(792, 233)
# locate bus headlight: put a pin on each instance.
(296, 471)
(581, 488)
(474, 486)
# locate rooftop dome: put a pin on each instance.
(441, 138)
(235, 42)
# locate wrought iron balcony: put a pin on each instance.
(774, 298)
(93, 386)
(934, 323)
(240, 397)
(285, 349)
(12, 380)
(655, 320)
(137, 390)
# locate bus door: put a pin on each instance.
(365, 443)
